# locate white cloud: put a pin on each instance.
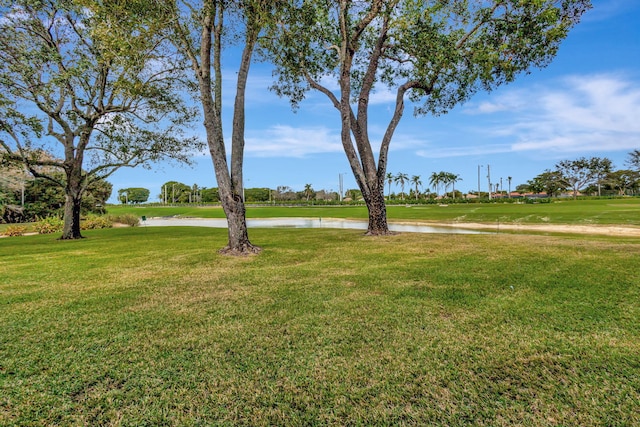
(578, 114)
(288, 141)
(383, 96)
(461, 151)
(582, 113)
(509, 101)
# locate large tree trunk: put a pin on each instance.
(71, 229)
(73, 200)
(239, 243)
(377, 213)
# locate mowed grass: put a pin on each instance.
(563, 211)
(150, 326)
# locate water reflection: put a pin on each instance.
(302, 223)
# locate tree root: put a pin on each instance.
(381, 233)
(245, 249)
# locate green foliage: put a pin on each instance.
(48, 225)
(102, 80)
(438, 54)
(15, 230)
(550, 182)
(176, 192)
(133, 195)
(94, 222)
(634, 160)
(45, 198)
(257, 194)
(209, 195)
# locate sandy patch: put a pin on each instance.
(611, 230)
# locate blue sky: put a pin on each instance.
(586, 103)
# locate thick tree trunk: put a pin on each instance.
(71, 229)
(73, 199)
(377, 213)
(239, 243)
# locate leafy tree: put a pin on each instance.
(326, 195)
(258, 194)
(88, 83)
(550, 182)
(209, 195)
(576, 173)
(438, 52)
(201, 31)
(401, 178)
(600, 168)
(622, 180)
(133, 195)
(523, 188)
(44, 198)
(634, 160)
(285, 193)
(176, 192)
(354, 194)
(415, 180)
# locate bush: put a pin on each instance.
(15, 230)
(95, 222)
(128, 219)
(48, 225)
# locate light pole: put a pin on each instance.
(489, 179)
(340, 181)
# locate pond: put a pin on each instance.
(302, 223)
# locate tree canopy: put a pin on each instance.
(133, 195)
(91, 84)
(437, 53)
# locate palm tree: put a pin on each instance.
(389, 180)
(435, 180)
(415, 180)
(445, 179)
(308, 191)
(401, 178)
(453, 178)
(509, 181)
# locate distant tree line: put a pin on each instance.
(589, 176)
(582, 176)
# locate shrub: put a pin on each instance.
(128, 219)
(15, 230)
(48, 225)
(96, 222)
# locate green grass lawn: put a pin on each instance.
(150, 326)
(606, 211)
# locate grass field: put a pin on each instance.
(150, 326)
(608, 211)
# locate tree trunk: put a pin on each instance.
(377, 213)
(239, 243)
(71, 229)
(230, 183)
(73, 199)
